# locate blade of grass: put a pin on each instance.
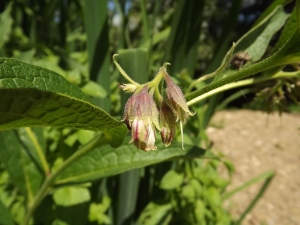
(182, 43)
(268, 177)
(95, 16)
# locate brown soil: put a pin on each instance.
(256, 142)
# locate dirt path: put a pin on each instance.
(256, 143)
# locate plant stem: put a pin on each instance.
(49, 181)
(123, 73)
(242, 83)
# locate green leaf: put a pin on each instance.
(156, 214)
(95, 12)
(18, 161)
(199, 210)
(181, 49)
(106, 161)
(94, 89)
(292, 24)
(271, 7)
(97, 211)
(84, 136)
(256, 40)
(289, 53)
(213, 196)
(171, 180)
(34, 140)
(34, 96)
(5, 217)
(6, 22)
(73, 195)
(135, 63)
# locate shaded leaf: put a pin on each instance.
(5, 217)
(171, 180)
(292, 24)
(6, 22)
(106, 161)
(18, 161)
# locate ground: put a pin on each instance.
(256, 142)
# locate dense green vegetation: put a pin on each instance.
(64, 152)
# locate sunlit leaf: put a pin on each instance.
(73, 195)
(34, 96)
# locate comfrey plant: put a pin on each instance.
(147, 109)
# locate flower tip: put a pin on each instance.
(166, 64)
(115, 55)
(128, 88)
(192, 113)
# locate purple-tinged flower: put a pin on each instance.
(167, 124)
(176, 99)
(177, 102)
(143, 134)
(141, 116)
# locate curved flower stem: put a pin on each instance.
(124, 74)
(242, 83)
(49, 181)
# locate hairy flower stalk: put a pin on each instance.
(141, 113)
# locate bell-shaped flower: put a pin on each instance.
(141, 116)
(176, 99)
(177, 102)
(167, 124)
(143, 133)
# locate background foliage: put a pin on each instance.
(78, 168)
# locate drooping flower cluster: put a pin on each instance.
(143, 114)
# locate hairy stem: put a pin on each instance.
(242, 83)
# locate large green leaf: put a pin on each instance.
(17, 160)
(292, 24)
(106, 161)
(256, 40)
(34, 96)
(289, 53)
